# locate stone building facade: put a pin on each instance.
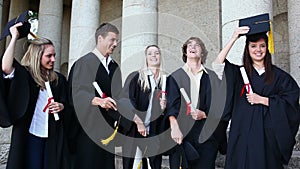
(71, 24)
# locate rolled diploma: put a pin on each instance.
(49, 92)
(163, 87)
(187, 99)
(95, 84)
(246, 80)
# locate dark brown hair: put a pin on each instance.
(103, 29)
(248, 63)
(204, 52)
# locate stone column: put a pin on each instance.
(65, 40)
(232, 10)
(16, 8)
(139, 29)
(294, 39)
(1, 18)
(84, 22)
(50, 25)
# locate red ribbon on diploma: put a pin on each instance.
(47, 105)
(243, 89)
(188, 108)
(103, 96)
(159, 94)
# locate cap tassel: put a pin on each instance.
(110, 138)
(271, 40)
(33, 35)
(140, 164)
(141, 161)
(180, 167)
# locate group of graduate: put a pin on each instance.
(64, 131)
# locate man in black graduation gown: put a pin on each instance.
(204, 134)
(95, 115)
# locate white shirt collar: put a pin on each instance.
(149, 72)
(105, 61)
(187, 68)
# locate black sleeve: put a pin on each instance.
(173, 98)
(15, 95)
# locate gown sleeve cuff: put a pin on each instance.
(9, 76)
(218, 69)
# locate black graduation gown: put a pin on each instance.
(140, 100)
(263, 137)
(18, 98)
(191, 129)
(97, 122)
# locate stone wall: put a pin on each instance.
(4, 145)
(178, 22)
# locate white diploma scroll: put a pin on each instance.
(246, 80)
(95, 84)
(50, 95)
(163, 86)
(187, 99)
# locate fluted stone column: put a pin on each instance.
(1, 43)
(65, 40)
(85, 18)
(294, 45)
(139, 29)
(232, 10)
(4, 133)
(294, 39)
(50, 25)
(16, 8)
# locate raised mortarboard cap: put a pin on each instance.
(257, 24)
(260, 24)
(23, 30)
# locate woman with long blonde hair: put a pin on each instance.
(37, 136)
(145, 84)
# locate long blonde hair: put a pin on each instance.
(143, 72)
(32, 61)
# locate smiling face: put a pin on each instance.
(48, 57)
(106, 45)
(153, 57)
(257, 50)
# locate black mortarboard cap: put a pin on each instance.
(23, 30)
(257, 24)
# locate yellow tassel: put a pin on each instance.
(141, 161)
(140, 164)
(33, 35)
(110, 138)
(271, 40)
(180, 167)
